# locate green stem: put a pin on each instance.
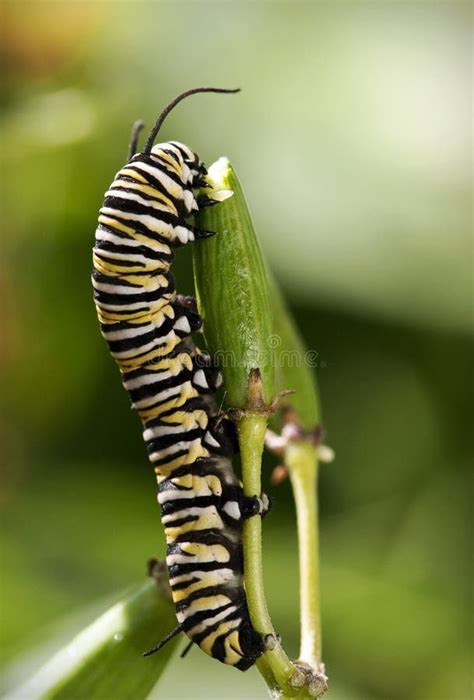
(274, 663)
(302, 462)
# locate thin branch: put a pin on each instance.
(252, 429)
(302, 462)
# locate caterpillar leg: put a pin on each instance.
(221, 435)
(255, 505)
(187, 320)
(201, 233)
(271, 640)
(188, 302)
(206, 378)
(205, 201)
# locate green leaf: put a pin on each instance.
(106, 660)
(295, 365)
(232, 288)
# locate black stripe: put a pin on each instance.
(118, 262)
(141, 228)
(157, 161)
(164, 441)
(181, 521)
(157, 404)
(183, 584)
(117, 185)
(208, 592)
(122, 325)
(171, 153)
(150, 390)
(208, 537)
(135, 343)
(169, 458)
(154, 182)
(125, 249)
(125, 312)
(115, 280)
(202, 615)
(195, 404)
(168, 256)
(122, 298)
(197, 468)
(179, 569)
(130, 206)
(178, 504)
(201, 636)
(186, 158)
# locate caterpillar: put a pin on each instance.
(148, 327)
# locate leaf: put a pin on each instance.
(232, 288)
(106, 660)
(294, 364)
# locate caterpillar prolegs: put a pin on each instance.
(148, 327)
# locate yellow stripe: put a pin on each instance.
(224, 627)
(190, 457)
(206, 552)
(146, 189)
(132, 173)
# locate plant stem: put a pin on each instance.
(252, 427)
(302, 462)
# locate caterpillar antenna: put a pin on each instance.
(153, 133)
(136, 129)
(165, 640)
(186, 649)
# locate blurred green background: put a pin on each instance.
(351, 138)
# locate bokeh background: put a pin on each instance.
(351, 138)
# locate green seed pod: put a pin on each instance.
(232, 288)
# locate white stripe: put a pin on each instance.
(209, 555)
(210, 604)
(133, 352)
(151, 222)
(141, 349)
(145, 380)
(177, 447)
(119, 307)
(219, 576)
(133, 257)
(209, 621)
(118, 289)
(173, 495)
(160, 430)
(135, 197)
(128, 332)
(160, 397)
(168, 520)
(156, 246)
(170, 185)
(173, 559)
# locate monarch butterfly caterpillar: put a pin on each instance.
(148, 329)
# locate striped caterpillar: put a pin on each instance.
(171, 384)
